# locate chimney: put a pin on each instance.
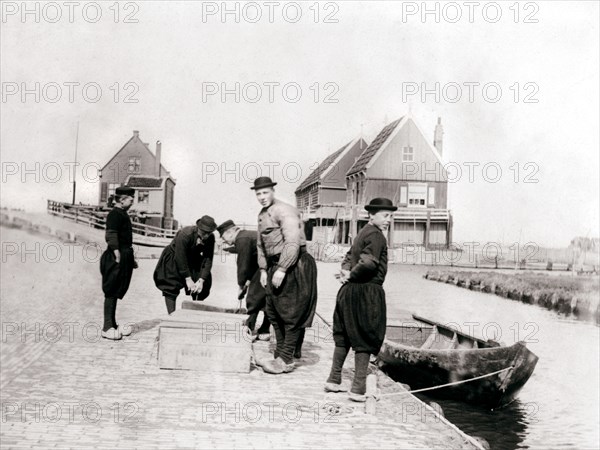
(136, 133)
(438, 136)
(157, 159)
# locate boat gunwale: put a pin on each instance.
(448, 350)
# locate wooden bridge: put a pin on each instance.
(95, 217)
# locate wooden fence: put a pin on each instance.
(96, 218)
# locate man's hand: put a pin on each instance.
(343, 276)
(198, 286)
(242, 291)
(278, 277)
(190, 284)
(263, 278)
(135, 264)
(117, 256)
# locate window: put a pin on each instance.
(111, 188)
(431, 196)
(143, 196)
(103, 191)
(403, 195)
(408, 154)
(417, 194)
(135, 164)
(358, 191)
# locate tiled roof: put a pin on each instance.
(315, 175)
(141, 181)
(371, 150)
(163, 169)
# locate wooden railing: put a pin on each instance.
(403, 213)
(96, 218)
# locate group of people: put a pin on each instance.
(275, 274)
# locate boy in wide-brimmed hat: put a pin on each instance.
(288, 273)
(187, 262)
(359, 319)
(117, 261)
(248, 275)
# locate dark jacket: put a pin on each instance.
(119, 233)
(247, 258)
(116, 276)
(191, 256)
(367, 258)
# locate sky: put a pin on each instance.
(300, 81)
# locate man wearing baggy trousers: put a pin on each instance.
(117, 262)
(248, 274)
(359, 319)
(288, 273)
(187, 262)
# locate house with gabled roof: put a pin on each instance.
(154, 196)
(136, 166)
(403, 165)
(322, 193)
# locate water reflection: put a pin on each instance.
(558, 407)
(504, 429)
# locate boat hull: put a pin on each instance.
(424, 368)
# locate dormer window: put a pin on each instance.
(408, 154)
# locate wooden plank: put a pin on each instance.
(189, 316)
(201, 306)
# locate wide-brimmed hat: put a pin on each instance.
(206, 223)
(125, 190)
(263, 182)
(380, 204)
(225, 226)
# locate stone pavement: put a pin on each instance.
(65, 387)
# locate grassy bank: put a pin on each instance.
(566, 294)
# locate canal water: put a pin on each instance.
(559, 405)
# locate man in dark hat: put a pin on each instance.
(288, 272)
(359, 319)
(187, 262)
(117, 261)
(248, 275)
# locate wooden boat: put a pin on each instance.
(424, 353)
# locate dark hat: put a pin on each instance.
(206, 223)
(225, 226)
(379, 204)
(125, 190)
(263, 182)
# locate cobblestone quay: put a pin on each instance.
(65, 387)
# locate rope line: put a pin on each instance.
(447, 384)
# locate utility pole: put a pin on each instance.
(74, 165)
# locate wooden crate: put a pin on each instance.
(204, 341)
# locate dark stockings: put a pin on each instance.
(170, 303)
(110, 310)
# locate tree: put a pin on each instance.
(582, 245)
